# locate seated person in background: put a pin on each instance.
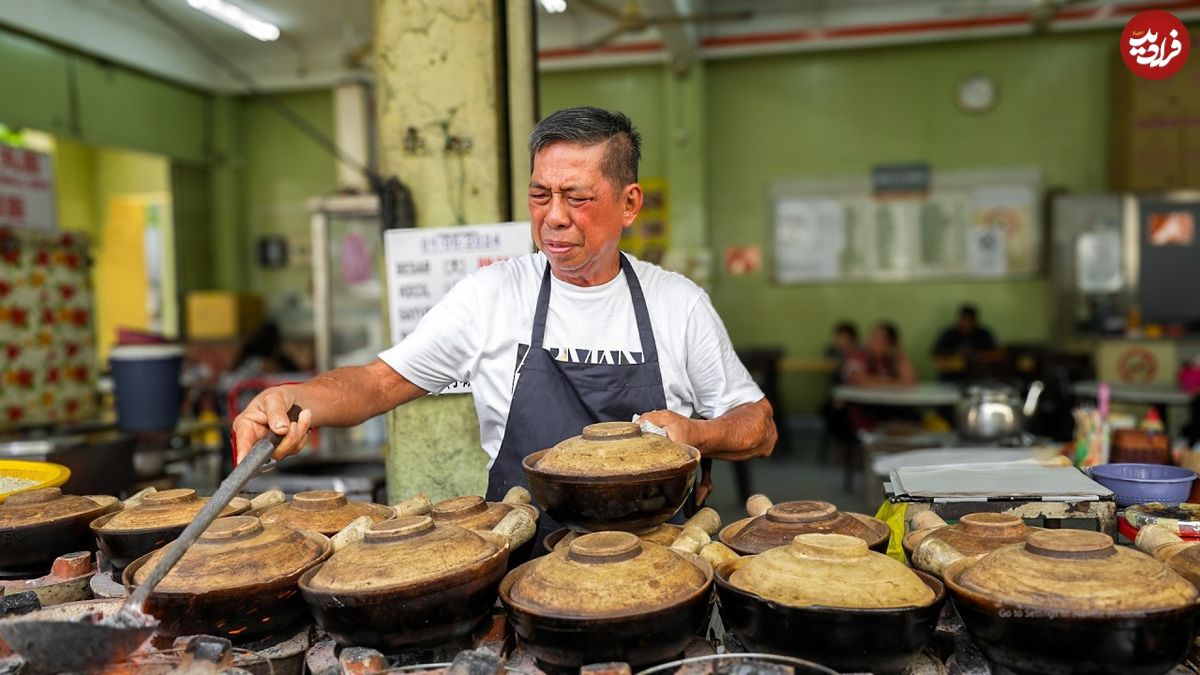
(844, 346)
(966, 336)
(883, 362)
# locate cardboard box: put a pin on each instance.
(221, 315)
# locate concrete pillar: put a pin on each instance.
(454, 91)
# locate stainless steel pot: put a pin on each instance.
(992, 412)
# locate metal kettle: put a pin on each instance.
(992, 412)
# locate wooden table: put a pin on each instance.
(924, 394)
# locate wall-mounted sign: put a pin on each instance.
(424, 263)
(890, 181)
(26, 189)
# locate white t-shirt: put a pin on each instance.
(481, 329)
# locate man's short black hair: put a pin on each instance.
(589, 126)
(968, 311)
(846, 328)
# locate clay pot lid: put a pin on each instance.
(408, 552)
(48, 505)
(1072, 570)
(166, 509)
(782, 522)
(324, 511)
(976, 533)
(605, 575)
(238, 551)
(663, 535)
(615, 449)
(473, 513)
(831, 570)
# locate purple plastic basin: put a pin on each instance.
(1142, 483)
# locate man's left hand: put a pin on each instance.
(679, 428)
(687, 432)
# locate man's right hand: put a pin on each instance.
(269, 410)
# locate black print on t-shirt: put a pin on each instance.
(612, 357)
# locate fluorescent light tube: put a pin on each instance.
(238, 18)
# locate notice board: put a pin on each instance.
(969, 224)
(424, 263)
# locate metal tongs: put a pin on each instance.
(89, 643)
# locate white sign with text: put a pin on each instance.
(424, 263)
(26, 189)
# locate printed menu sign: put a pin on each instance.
(424, 263)
(26, 189)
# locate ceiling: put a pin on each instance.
(324, 41)
(317, 37)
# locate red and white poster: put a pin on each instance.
(26, 189)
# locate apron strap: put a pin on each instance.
(640, 312)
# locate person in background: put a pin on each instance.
(966, 336)
(844, 346)
(883, 362)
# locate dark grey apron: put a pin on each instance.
(555, 400)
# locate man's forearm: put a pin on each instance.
(345, 397)
(746, 432)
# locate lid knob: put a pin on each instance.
(35, 496)
(1070, 544)
(458, 508)
(991, 524)
(318, 500)
(399, 528)
(232, 527)
(164, 497)
(801, 512)
(605, 547)
(611, 431)
(835, 546)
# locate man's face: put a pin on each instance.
(966, 324)
(577, 213)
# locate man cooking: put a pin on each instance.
(574, 334)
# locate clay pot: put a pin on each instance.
(974, 534)
(412, 581)
(771, 525)
(608, 596)
(830, 570)
(1071, 601)
(322, 511)
(829, 599)
(38, 526)
(239, 580)
(157, 519)
(612, 477)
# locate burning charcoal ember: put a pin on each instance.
(361, 661)
(477, 662)
(613, 668)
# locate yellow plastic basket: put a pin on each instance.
(47, 474)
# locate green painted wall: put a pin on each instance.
(839, 113)
(637, 91)
(79, 97)
(280, 170)
(260, 170)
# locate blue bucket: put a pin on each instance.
(146, 386)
